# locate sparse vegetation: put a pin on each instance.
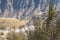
(11, 22)
(48, 29)
(16, 36)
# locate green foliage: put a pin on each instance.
(37, 34)
(50, 29)
(22, 36)
(12, 36)
(51, 12)
(42, 34)
(58, 29)
(15, 36)
(21, 26)
(2, 28)
(36, 21)
(1, 33)
(51, 15)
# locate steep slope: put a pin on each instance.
(21, 8)
(24, 9)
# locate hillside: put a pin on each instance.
(22, 9)
(11, 22)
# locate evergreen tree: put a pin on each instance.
(49, 28)
(49, 34)
(51, 14)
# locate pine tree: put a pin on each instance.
(49, 28)
(48, 34)
(51, 14)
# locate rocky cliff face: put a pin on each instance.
(23, 8)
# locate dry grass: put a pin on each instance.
(11, 22)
